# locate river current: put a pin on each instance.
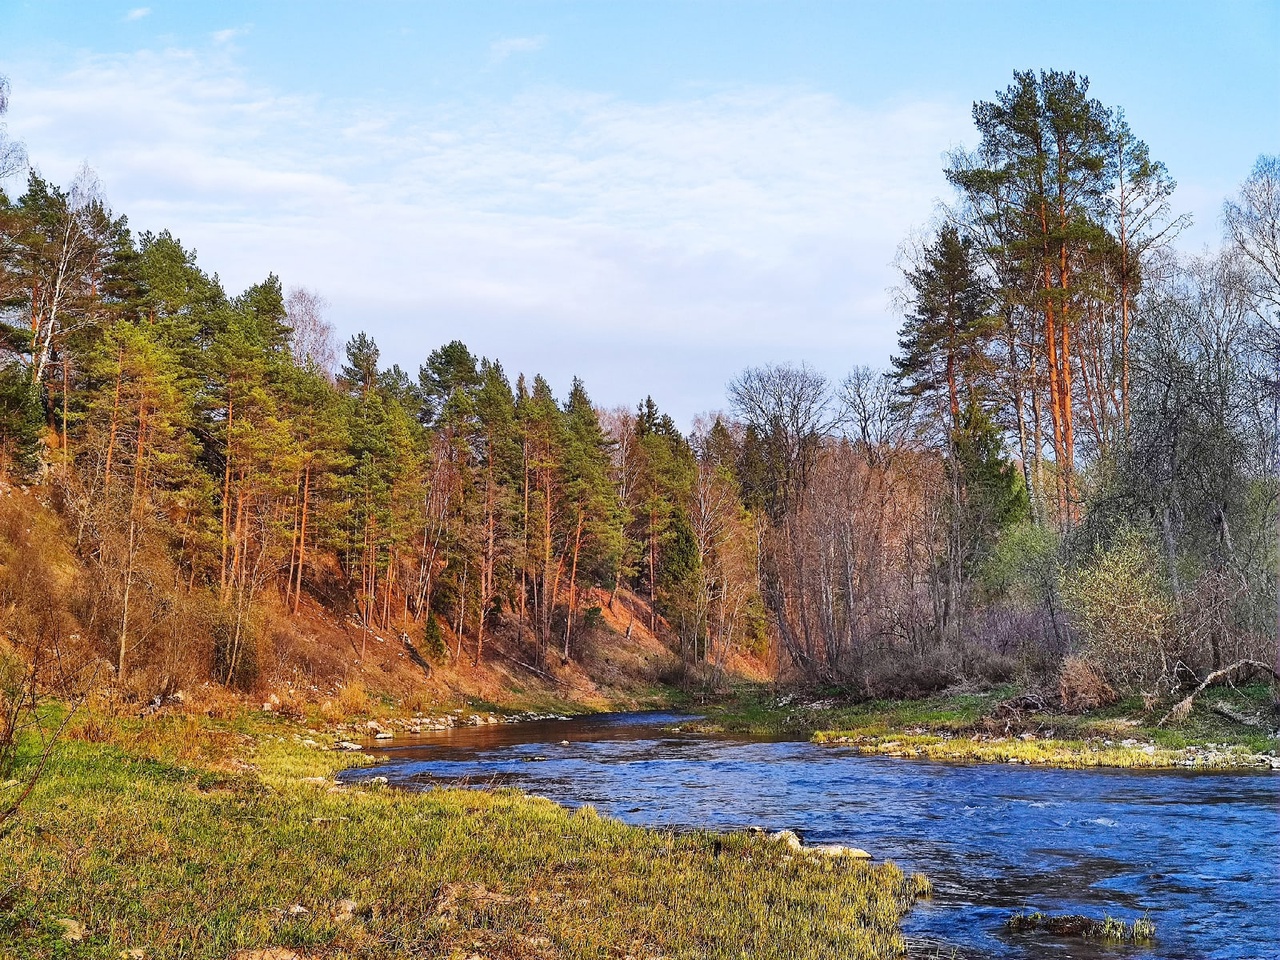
(1199, 853)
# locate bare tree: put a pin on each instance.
(1253, 224)
(12, 157)
(788, 406)
(313, 336)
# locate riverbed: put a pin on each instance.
(1198, 853)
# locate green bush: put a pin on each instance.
(1120, 603)
(1022, 566)
(433, 645)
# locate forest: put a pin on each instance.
(1068, 471)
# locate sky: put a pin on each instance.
(651, 196)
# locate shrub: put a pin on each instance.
(353, 699)
(1022, 567)
(1082, 686)
(1119, 602)
(433, 645)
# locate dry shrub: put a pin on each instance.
(1082, 686)
(983, 664)
(910, 675)
(418, 699)
(352, 699)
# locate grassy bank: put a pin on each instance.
(983, 726)
(183, 836)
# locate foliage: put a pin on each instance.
(1122, 607)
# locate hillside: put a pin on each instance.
(323, 656)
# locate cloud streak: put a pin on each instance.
(647, 246)
(500, 50)
(137, 13)
(226, 36)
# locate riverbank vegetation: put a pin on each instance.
(211, 838)
(1004, 724)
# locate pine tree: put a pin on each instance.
(591, 535)
(665, 474)
(500, 465)
(944, 338)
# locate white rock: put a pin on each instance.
(836, 850)
(789, 838)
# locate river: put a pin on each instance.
(1198, 852)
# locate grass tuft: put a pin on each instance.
(1107, 930)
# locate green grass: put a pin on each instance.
(189, 837)
(968, 727)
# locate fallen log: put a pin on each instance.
(1183, 707)
(1225, 710)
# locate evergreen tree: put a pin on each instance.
(591, 535)
(943, 341)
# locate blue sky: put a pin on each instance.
(649, 195)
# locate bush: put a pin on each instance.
(433, 645)
(1119, 602)
(353, 699)
(1022, 567)
(1082, 686)
(910, 676)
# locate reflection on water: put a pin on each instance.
(1200, 852)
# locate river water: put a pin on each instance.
(1198, 852)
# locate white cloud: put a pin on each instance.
(226, 36)
(499, 50)
(650, 247)
(137, 13)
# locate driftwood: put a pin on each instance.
(1183, 707)
(1225, 710)
(1016, 706)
